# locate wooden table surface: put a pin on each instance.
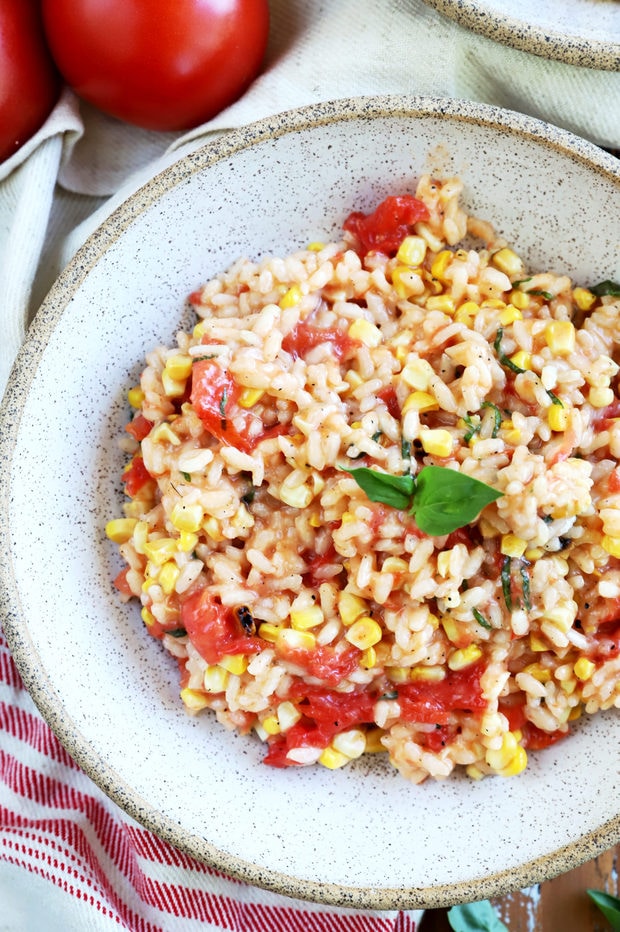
(559, 905)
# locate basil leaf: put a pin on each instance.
(475, 917)
(501, 355)
(396, 491)
(445, 500)
(481, 619)
(606, 288)
(497, 417)
(542, 294)
(506, 578)
(608, 905)
(554, 398)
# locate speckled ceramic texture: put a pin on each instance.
(578, 32)
(361, 836)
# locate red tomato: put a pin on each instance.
(160, 64)
(431, 703)
(139, 427)
(29, 82)
(386, 227)
(214, 629)
(215, 397)
(325, 663)
(136, 477)
(304, 337)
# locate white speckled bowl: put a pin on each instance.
(361, 836)
(578, 32)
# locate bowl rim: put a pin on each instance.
(24, 372)
(546, 43)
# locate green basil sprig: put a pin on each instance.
(441, 499)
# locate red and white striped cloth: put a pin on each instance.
(70, 859)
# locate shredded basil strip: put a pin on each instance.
(497, 417)
(223, 401)
(521, 281)
(177, 633)
(473, 428)
(441, 499)
(506, 582)
(606, 288)
(377, 435)
(504, 360)
(542, 294)
(481, 619)
(554, 398)
(202, 358)
(392, 694)
(525, 586)
(186, 476)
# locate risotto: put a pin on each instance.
(373, 497)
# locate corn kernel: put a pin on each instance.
(522, 359)
(163, 433)
(314, 520)
(305, 618)
(601, 397)
(501, 757)
(538, 671)
(179, 367)
(560, 337)
(288, 637)
(168, 576)
(537, 644)
(364, 633)
(365, 332)
(269, 632)
(135, 397)
(215, 679)
(507, 261)
(466, 312)
(509, 315)
(517, 765)
(298, 496)
(583, 298)
(354, 379)
(140, 536)
(315, 246)
(351, 607)
(290, 298)
(611, 545)
(575, 713)
(441, 302)
(420, 401)
(373, 741)
(584, 668)
(558, 418)
(351, 743)
(199, 330)
(520, 299)
(406, 282)
(496, 303)
(288, 715)
(147, 617)
(440, 263)
(234, 663)
(186, 517)
(368, 660)
(416, 374)
(451, 629)
(398, 674)
(249, 397)
(120, 530)
(271, 725)
(193, 700)
(333, 759)
(561, 617)
(513, 546)
(173, 388)
(412, 251)
(187, 541)
(464, 657)
(534, 553)
(425, 674)
(212, 527)
(160, 550)
(437, 442)
(394, 565)
(473, 772)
